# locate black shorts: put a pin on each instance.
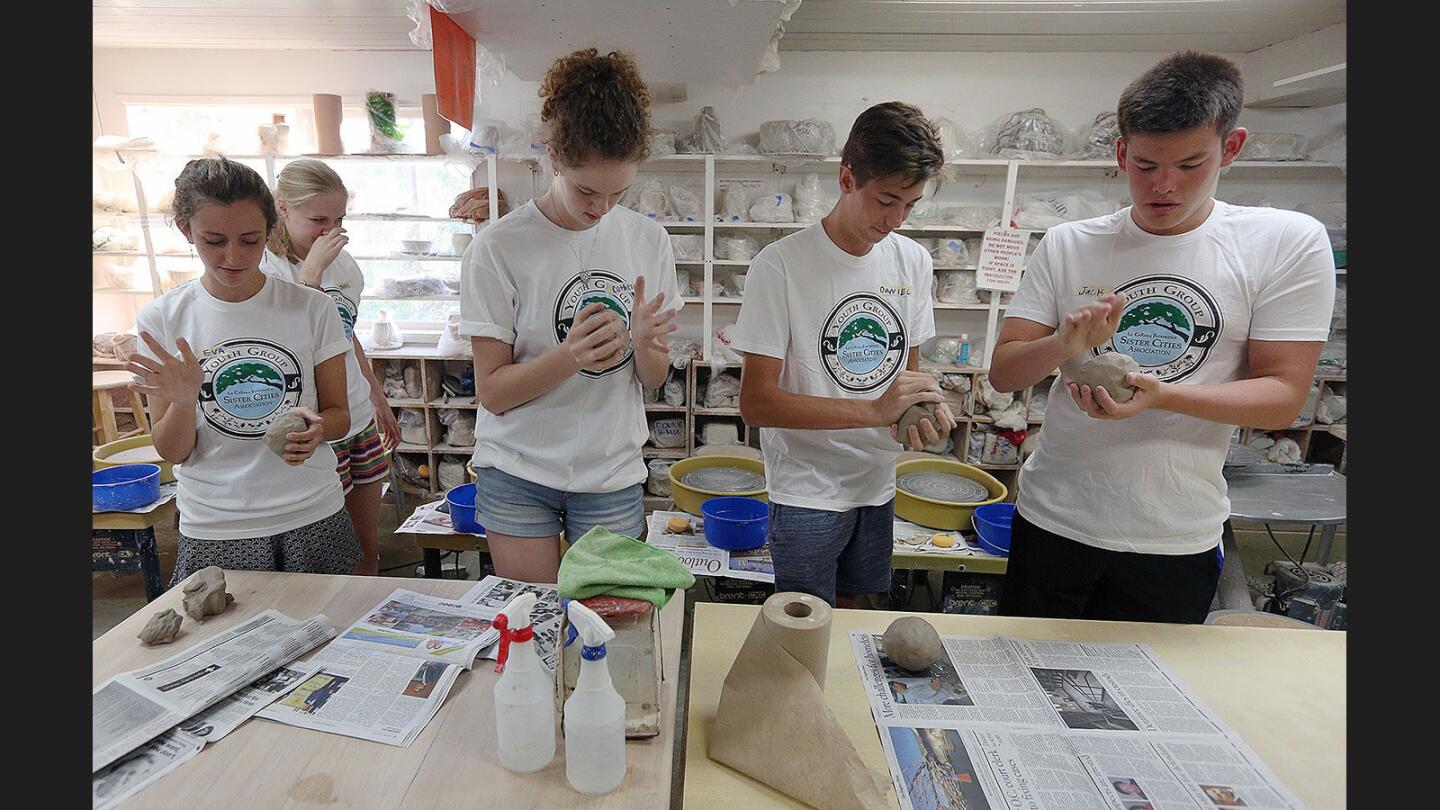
(1050, 576)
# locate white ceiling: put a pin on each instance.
(1229, 26)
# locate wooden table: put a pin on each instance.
(125, 541)
(265, 764)
(1247, 675)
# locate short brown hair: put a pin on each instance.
(596, 106)
(1185, 90)
(893, 138)
(220, 180)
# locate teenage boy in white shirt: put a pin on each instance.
(1225, 309)
(831, 327)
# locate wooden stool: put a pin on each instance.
(102, 383)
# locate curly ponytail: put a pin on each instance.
(596, 107)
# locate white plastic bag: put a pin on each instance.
(451, 471)
(737, 204)
(685, 203)
(1285, 451)
(952, 253)
(1046, 209)
(1331, 409)
(682, 352)
(957, 142)
(809, 199)
(706, 137)
(652, 201)
(674, 391)
(384, 333)
(808, 136)
(1026, 135)
(955, 287)
(412, 287)
(736, 247)
(723, 391)
(1010, 417)
(662, 142)
(720, 433)
(451, 344)
(1039, 400)
(972, 217)
(688, 247)
(658, 481)
(1096, 140)
(1273, 146)
(412, 426)
(773, 208)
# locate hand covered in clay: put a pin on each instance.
(300, 446)
(1098, 404)
(1092, 324)
(908, 388)
(327, 246)
(648, 323)
(173, 378)
(596, 338)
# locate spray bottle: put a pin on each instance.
(525, 693)
(595, 712)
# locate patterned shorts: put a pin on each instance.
(326, 546)
(361, 458)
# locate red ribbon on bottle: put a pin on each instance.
(502, 623)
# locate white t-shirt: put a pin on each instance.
(343, 282)
(1151, 483)
(522, 282)
(843, 326)
(258, 357)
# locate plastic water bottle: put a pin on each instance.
(595, 712)
(525, 693)
(962, 358)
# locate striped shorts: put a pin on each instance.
(361, 458)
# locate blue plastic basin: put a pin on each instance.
(992, 527)
(735, 523)
(128, 486)
(462, 509)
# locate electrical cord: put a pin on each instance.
(1304, 572)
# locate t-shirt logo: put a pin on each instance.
(584, 289)
(1169, 326)
(862, 343)
(346, 307)
(245, 382)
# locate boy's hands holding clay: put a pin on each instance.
(920, 430)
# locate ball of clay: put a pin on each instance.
(943, 540)
(205, 593)
(161, 628)
(913, 415)
(286, 423)
(912, 643)
(1108, 371)
(677, 525)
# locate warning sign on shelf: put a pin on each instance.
(1002, 253)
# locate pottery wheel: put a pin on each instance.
(945, 487)
(724, 479)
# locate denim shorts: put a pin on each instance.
(520, 508)
(822, 553)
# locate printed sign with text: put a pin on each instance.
(1002, 253)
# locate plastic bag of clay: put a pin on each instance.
(1039, 400)
(1337, 316)
(667, 433)
(523, 142)
(940, 349)
(735, 205)
(411, 375)
(733, 247)
(451, 343)
(685, 283)
(385, 333)
(999, 449)
(451, 471)
(658, 481)
(734, 285)
(1307, 411)
(809, 199)
(459, 427)
(1096, 140)
(724, 391)
(806, 136)
(686, 205)
(1273, 146)
(108, 238)
(975, 446)
(705, 137)
(1285, 450)
(1026, 135)
(958, 383)
(1331, 408)
(386, 134)
(662, 142)
(1046, 209)
(1332, 357)
(682, 352)
(1329, 148)
(722, 353)
(992, 400)
(972, 217)
(720, 433)
(955, 287)
(957, 142)
(412, 426)
(1011, 417)
(393, 386)
(688, 247)
(652, 201)
(649, 396)
(412, 287)
(773, 208)
(674, 391)
(951, 253)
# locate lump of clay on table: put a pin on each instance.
(285, 424)
(912, 642)
(205, 594)
(1108, 371)
(161, 628)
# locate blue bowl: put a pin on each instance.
(735, 523)
(992, 527)
(128, 486)
(462, 509)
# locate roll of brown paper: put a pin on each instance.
(328, 114)
(801, 624)
(435, 124)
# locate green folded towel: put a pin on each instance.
(603, 562)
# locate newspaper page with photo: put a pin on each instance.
(132, 707)
(387, 675)
(702, 559)
(145, 765)
(495, 593)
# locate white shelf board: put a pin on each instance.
(409, 257)
(451, 297)
(400, 218)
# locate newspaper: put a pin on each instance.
(430, 518)
(703, 559)
(133, 707)
(144, 766)
(913, 537)
(494, 593)
(1006, 722)
(386, 676)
